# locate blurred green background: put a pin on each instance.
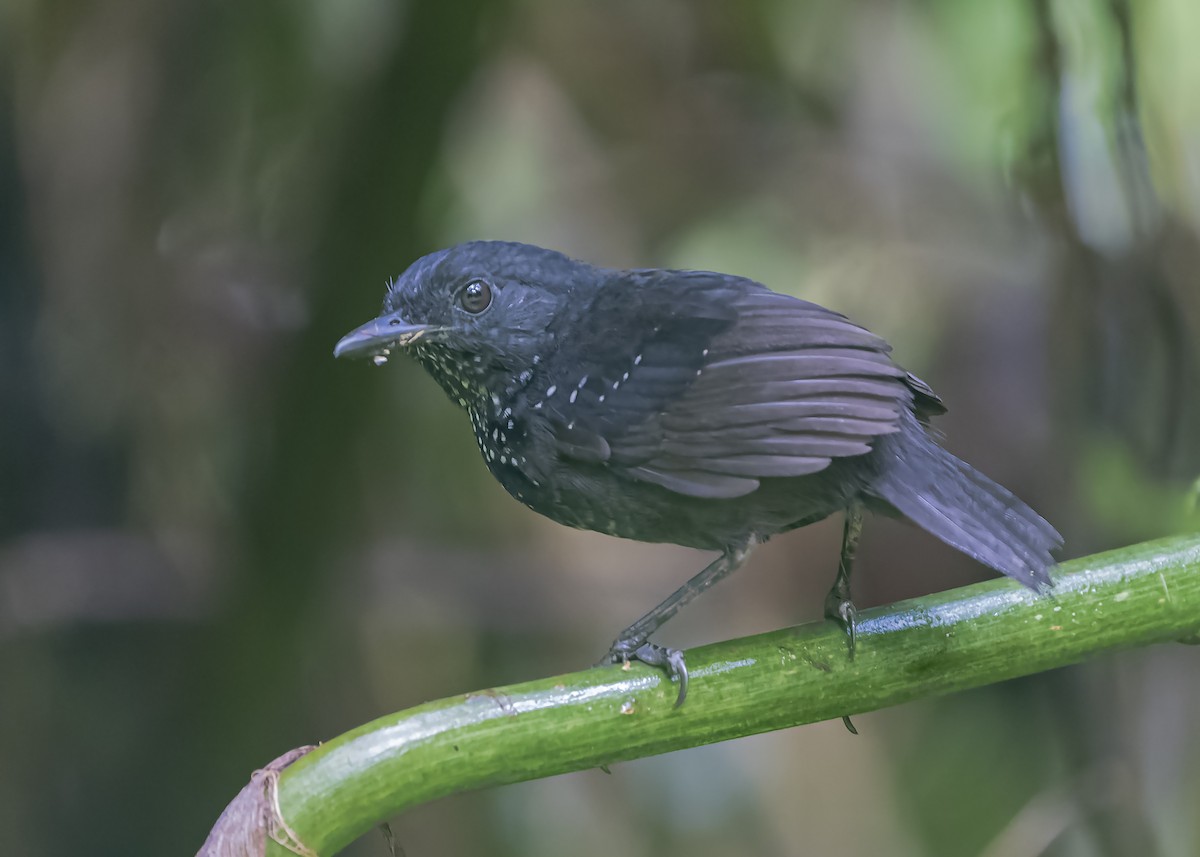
(217, 543)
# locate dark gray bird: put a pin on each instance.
(689, 407)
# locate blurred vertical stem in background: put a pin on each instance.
(1108, 172)
(369, 221)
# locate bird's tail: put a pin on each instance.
(963, 508)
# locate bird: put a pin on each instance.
(689, 407)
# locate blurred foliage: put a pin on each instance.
(217, 543)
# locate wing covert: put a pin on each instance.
(719, 382)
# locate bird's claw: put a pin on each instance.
(670, 660)
(842, 610)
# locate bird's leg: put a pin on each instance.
(633, 642)
(838, 605)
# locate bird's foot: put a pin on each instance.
(652, 654)
(841, 609)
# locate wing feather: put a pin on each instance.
(767, 465)
(696, 483)
(719, 382)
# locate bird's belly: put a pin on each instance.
(599, 499)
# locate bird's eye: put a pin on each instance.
(476, 297)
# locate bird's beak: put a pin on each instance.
(379, 335)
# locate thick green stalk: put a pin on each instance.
(1148, 593)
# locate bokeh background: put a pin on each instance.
(217, 543)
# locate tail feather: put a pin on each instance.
(962, 507)
(1032, 533)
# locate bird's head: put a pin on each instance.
(478, 316)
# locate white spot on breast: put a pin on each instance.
(602, 397)
(538, 406)
(551, 390)
(582, 382)
(574, 396)
(637, 360)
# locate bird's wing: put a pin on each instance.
(716, 382)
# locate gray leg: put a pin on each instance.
(633, 641)
(838, 605)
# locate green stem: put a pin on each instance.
(976, 635)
